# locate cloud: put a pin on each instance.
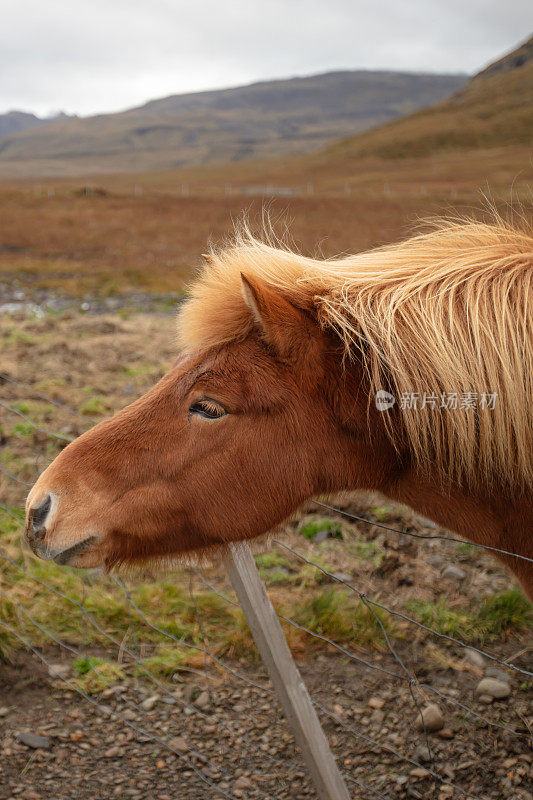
(103, 56)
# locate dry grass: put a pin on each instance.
(152, 243)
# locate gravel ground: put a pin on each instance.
(89, 753)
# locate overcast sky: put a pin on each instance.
(107, 55)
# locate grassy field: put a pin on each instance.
(149, 239)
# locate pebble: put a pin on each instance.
(202, 701)
(179, 744)
(499, 674)
(422, 753)
(113, 752)
(34, 740)
(150, 702)
(492, 687)
(321, 536)
(446, 733)
(243, 783)
(432, 717)
(376, 702)
(59, 670)
(474, 658)
(419, 772)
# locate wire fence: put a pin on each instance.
(387, 754)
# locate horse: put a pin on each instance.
(299, 377)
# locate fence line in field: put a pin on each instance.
(404, 675)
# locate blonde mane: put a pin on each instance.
(446, 311)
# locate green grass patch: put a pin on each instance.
(19, 337)
(465, 548)
(167, 661)
(94, 406)
(274, 568)
(22, 429)
(493, 619)
(366, 550)
(340, 617)
(93, 674)
(382, 513)
(310, 528)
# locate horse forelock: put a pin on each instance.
(447, 311)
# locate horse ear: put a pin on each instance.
(284, 327)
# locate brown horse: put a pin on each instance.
(407, 369)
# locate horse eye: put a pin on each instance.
(208, 409)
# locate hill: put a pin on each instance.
(13, 122)
(478, 139)
(271, 118)
(494, 109)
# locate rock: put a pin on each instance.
(474, 658)
(59, 670)
(202, 701)
(113, 752)
(376, 702)
(432, 717)
(446, 733)
(493, 688)
(150, 702)
(419, 772)
(321, 536)
(179, 744)
(454, 573)
(34, 740)
(422, 753)
(243, 783)
(499, 674)
(485, 698)
(377, 717)
(4, 710)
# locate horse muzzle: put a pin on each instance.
(40, 524)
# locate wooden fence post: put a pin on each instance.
(272, 645)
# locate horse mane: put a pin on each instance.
(447, 310)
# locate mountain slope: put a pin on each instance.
(494, 109)
(15, 121)
(274, 118)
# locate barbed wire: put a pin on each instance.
(14, 477)
(33, 425)
(420, 535)
(112, 712)
(400, 614)
(33, 391)
(335, 717)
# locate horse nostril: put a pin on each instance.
(37, 516)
